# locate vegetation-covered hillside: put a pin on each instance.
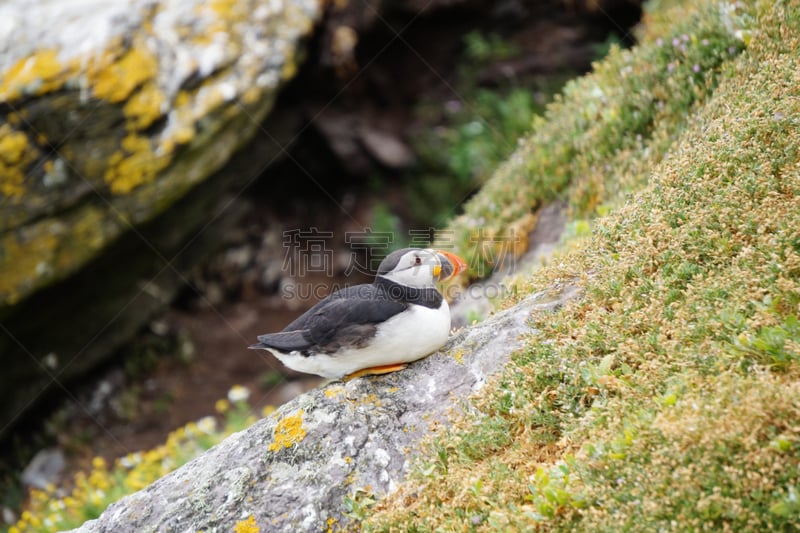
(668, 397)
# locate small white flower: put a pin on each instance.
(238, 393)
(131, 460)
(207, 424)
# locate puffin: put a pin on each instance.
(372, 328)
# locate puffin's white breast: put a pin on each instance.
(410, 335)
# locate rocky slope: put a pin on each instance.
(299, 469)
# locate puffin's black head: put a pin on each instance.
(420, 267)
(391, 261)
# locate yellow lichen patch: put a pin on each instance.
(23, 261)
(182, 99)
(183, 134)
(116, 80)
(289, 69)
(251, 95)
(222, 8)
(222, 13)
(90, 234)
(458, 355)
(332, 392)
(144, 107)
(35, 256)
(331, 522)
(15, 155)
(373, 399)
(288, 432)
(137, 164)
(11, 186)
(12, 145)
(297, 18)
(36, 74)
(246, 526)
(182, 122)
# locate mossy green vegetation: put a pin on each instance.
(604, 133)
(666, 398)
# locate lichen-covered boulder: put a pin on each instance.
(118, 121)
(294, 470)
(111, 111)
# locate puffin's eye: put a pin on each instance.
(417, 261)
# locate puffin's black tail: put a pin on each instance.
(285, 341)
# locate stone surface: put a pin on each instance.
(44, 469)
(104, 129)
(294, 470)
(112, 147)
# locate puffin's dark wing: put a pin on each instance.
(345, 312)
(345, 318)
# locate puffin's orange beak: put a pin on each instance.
(455, 265)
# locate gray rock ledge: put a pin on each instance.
(293, 470)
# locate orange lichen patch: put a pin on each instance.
(16, 153)
(246, 526)
(36, 74)
(115, 80)
(144, 106)
(136, 164)
(288, 432)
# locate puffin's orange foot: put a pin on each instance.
(374, 371)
